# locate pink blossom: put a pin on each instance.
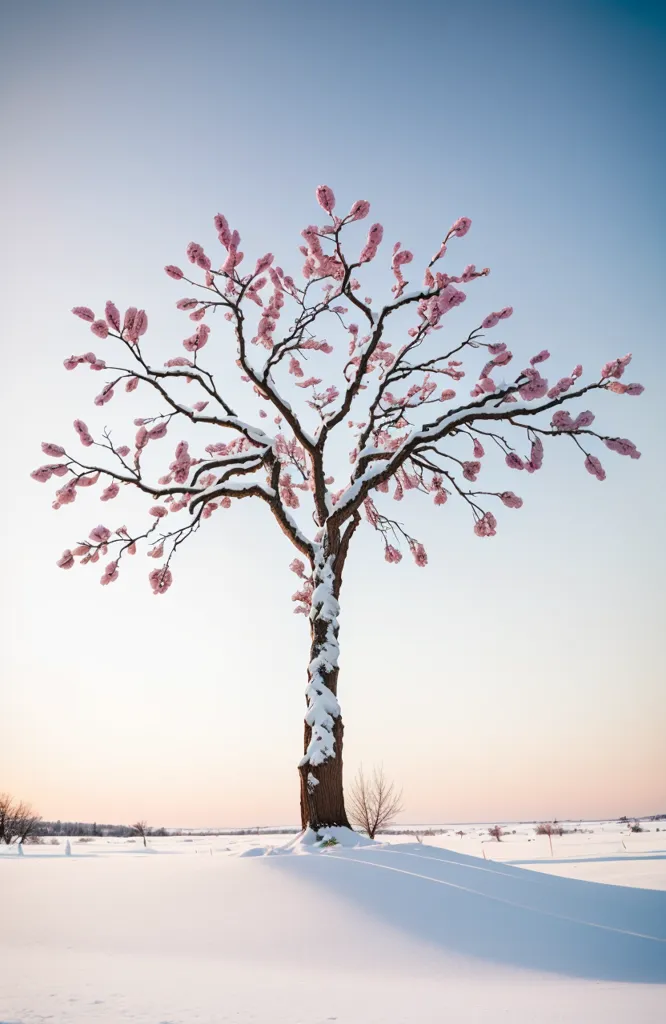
(110, 492)
(128, 321)
(123, 451)
(195, 252)
(506, 312)
(298, 567)
(159, 511)
(199, 406)
(623, 446)
(179, 361)
(84, 481)
(447, 395)
(110, 574)
(131, 384)
(536, 456)
(359, 210)
(616, 367)
(100, 535)
(583, 419)
(198, 339)
(72, 362)
(325, 198)
(419, 554)
(535, 388)
(84, 312)
(42, 474)
(562, 420)
(369, 250)
(187, 303)
(174, 272)
(66, 561)
(83, 432)
(54, 450)
(577, 371)
(461, 227)
(540, 357)
(593, 466)
(486, 525)
(104, 396)
(471, 470)
(514, 461)
(295, 367)
(141, 438)
(112, 316)
(490, 321)
(511, 500)
(158, 431)
(160, 580)
(634, 389)
(310, 382)
(479, 450)
(223, 229)
(100, 328)
(440, 496)
(392, 554)
(66, 495)
(139, 326)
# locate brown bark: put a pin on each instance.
(322, 795)
(324, 804)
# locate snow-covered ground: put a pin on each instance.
(205, 930)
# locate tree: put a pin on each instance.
(373, 803)
(141, 828)
(496, 832)
(405, 431)
(548, 828)
(18, 820)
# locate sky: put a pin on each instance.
(515, 677)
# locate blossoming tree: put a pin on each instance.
(407, 431)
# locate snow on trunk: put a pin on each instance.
(322, 800)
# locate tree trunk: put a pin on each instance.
(322, 798)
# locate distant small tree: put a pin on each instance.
(496, 832)
(636, 827)
(141, 827)
(460, 833)
(374, 803)
(18, 820)
(548, 828)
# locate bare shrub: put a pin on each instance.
(374, 803)
(85, 839)
(636, 827)
(142, 828)
(550, 829)
(18, 820)
(496, 832)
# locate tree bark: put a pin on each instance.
(322, 796)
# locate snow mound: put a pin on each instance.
(310, 841)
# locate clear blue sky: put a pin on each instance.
(515, 677)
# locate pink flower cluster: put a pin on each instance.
(374, 240)
(486, 526)
(160, 580)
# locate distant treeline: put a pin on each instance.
(85, 828)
